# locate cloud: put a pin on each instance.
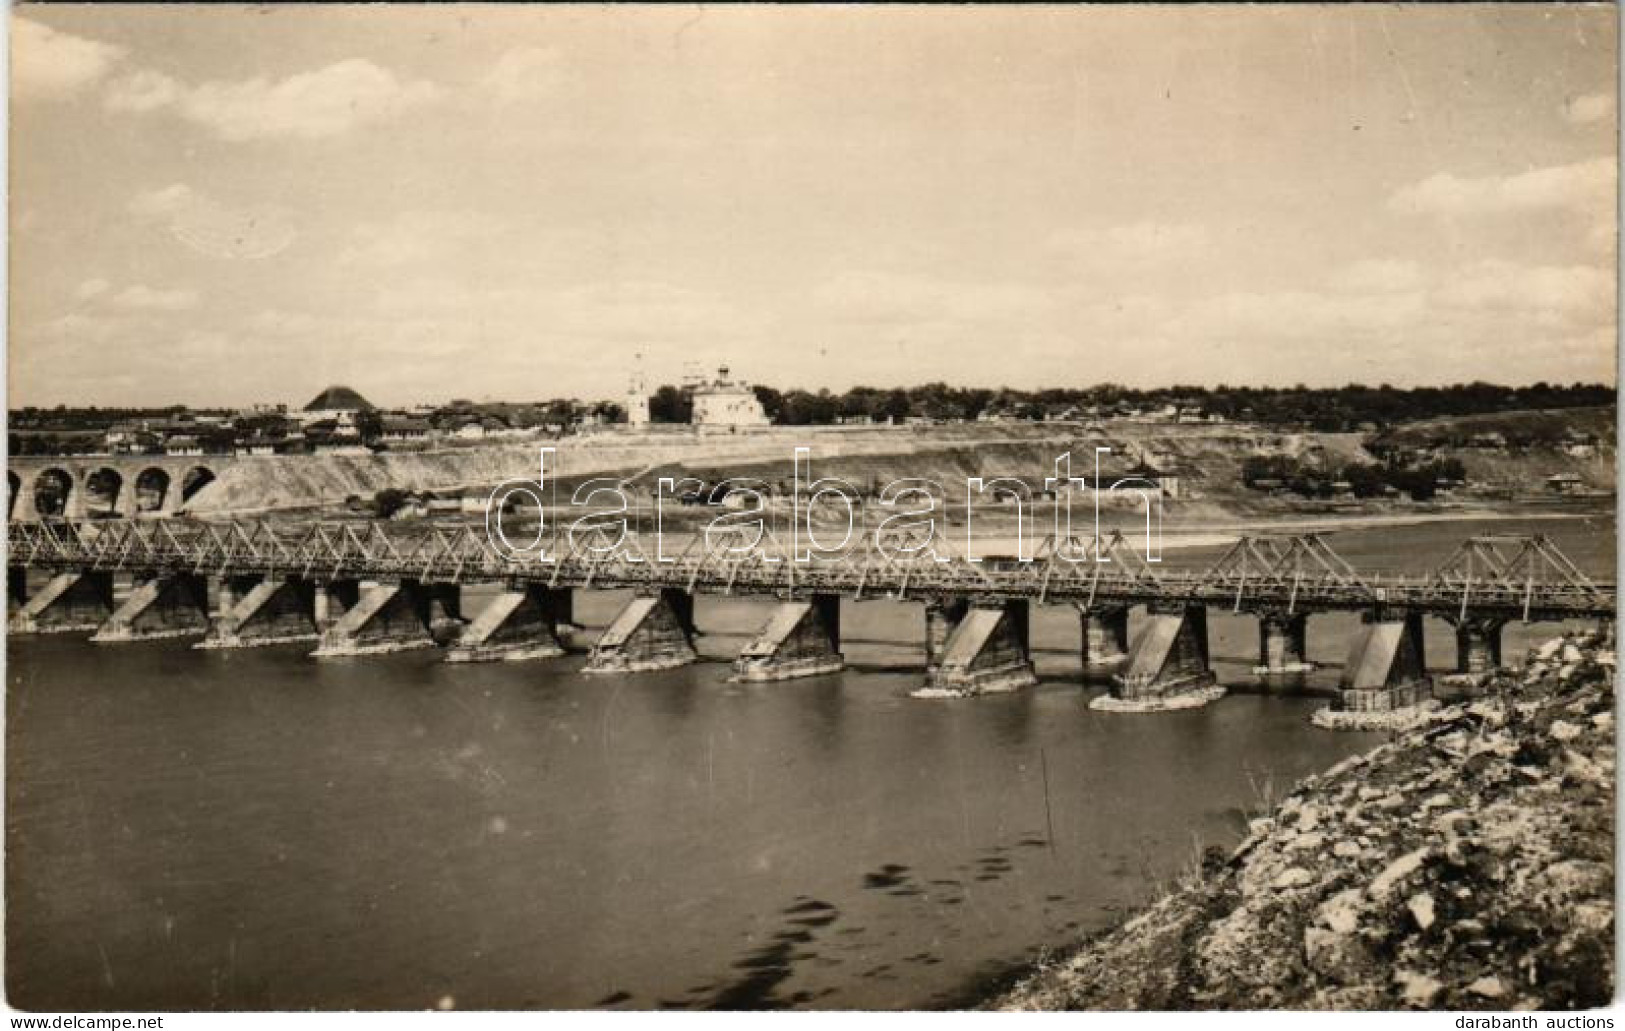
(1546, 296)
(1586, 186)
(1135, 243)
(141, 91)
(311, 105)
(144, 298)
(524, 74)
(1378, 275)
(46, 63)
(213, 228)
(902, 299)
(416, 236)
(91, 289)
(1592, 107)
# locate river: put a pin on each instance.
(255, 829)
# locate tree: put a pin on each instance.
(388, 501)
(671, 404)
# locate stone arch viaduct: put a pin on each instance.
(88, 486)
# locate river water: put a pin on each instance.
(255, 829)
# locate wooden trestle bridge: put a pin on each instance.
(360, 587)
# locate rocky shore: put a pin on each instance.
(1467, 864)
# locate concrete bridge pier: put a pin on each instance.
(520, 623)
(1105, 636)
(942, 615)
(16, 588)
(67, 602)
(171, 605)
(801, 639)
(332, 599)
(1385, 682)
(445, 604)
(986, 652)
(1478, 645)
(1282, 644)
(386, 617)
(1167, 666)
(252, 611)
(654, 631)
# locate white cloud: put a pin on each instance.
(145, 298)
(46, 63)
(1592, 107)
(1544, 295)
(524, 74)
(1137, 242)
(1378, 275)
(903, 299)
(214, 228)
(1586, 186)
(141, 91)
(317, 104)
(415, 236)
(91, 289)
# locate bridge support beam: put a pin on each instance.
(251, 611)
(1167, 665)
(172, 605)
(942, 615)
(385, 618)
(1478, 645)
(16, 588)
(520, 623)
(801, 639)
(1105, 636)
(1282, 644)
(653, 631)
(68, 602)
(1385, 682)
(986, 652)
(333, 598)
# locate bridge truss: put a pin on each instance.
(1515, 577)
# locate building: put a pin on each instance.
(338, 403)
(1564, 483)
(726, 403)
(402, 429)
(637, 398)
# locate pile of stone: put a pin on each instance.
(1466, 864)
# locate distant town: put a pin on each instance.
(341, 420)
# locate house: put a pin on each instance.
(182, 444)
(400, 429)
(1564, 483)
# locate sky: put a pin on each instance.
(224, 205)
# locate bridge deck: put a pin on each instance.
(1523, 577)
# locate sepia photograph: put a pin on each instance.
(636, 508)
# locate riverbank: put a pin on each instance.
(1467, 864)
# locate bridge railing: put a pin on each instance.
(1531, 578)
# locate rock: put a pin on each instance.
(1334, 956)
(1307, 841)
(1292, 877)
(1419, 989)
(1436, 801)
(1308, 818)
(1341, 912)
(1346, 849)
(1603, 721)
(1488, 987)
(1421, 907)
(1563, 730)
(1397, 871)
